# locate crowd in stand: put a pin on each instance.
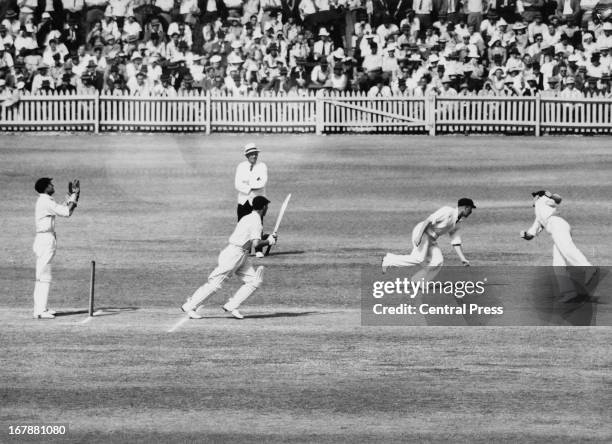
(378, 47)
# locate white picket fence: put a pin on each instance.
(321, 113)
(53, 112)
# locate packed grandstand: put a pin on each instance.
(380, 48)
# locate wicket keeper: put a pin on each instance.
(45, 241)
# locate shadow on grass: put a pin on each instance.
(70, 312)
(108, 311)
(281, 253)
(281, 314)
(269, 315)
(102, 311)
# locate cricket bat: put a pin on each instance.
(279, 218)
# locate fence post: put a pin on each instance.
(319, 114)
(538, 115)
(430, 113)
(208, 112)
(97, 112)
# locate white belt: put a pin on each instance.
(52, 233)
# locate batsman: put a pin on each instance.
(234, 259)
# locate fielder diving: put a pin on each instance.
(426, 252)
(565, 252)
(235, 259)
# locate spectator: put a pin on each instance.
(570, 92)
(41, 76)
(536, 27)
(131, 28)
(95, 12)
(321, 74)
(66, 86)
(423, 9)
(532, 9)
(338, 80)
(531, 86)
(324, 46)
(380, 89)
(138, 85)
(447, 89)
(475, 9)
(73, 10)
(506, 9)
(390, 64)
(11, 24)
(25, 43)
(165, 88)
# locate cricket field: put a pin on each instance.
(155, 211)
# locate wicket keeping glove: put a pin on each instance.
(526, 236)
(74, 189)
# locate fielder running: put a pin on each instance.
(426, 251)
(45, 241)
(565, 251)
(235, 259)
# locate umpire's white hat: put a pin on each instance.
(250, 148)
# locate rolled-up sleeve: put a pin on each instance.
(455, 238)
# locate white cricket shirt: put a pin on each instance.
(445, 221)
(248, 229)
(545, 208)
(46, 210)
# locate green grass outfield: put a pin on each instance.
(156, 210)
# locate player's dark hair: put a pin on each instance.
(41, 184)
(259, 202)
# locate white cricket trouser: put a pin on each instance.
(44, 247)
(427, 255)
(232, 260)
(565, 252)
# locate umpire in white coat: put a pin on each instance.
(251, 179)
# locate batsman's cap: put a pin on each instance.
(466, 202)
(250, 148)
(259, 202)
(41, 184)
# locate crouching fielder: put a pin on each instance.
(426, 251)
(565, 252)
(235, 259)
(45, 242)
